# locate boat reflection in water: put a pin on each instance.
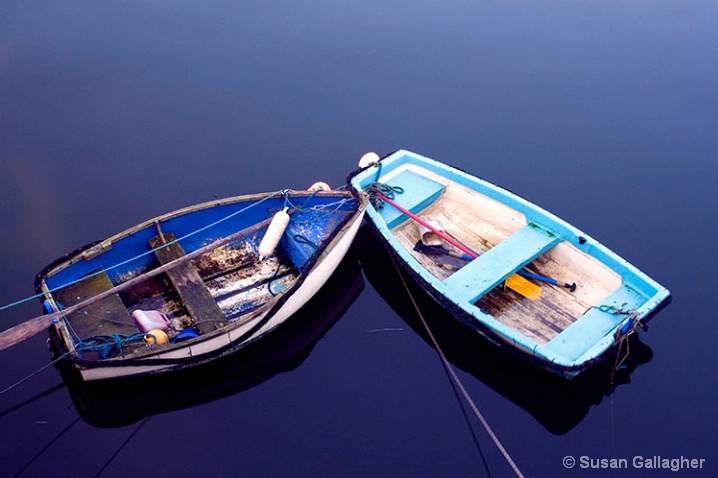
(556, 403)
(122, 401)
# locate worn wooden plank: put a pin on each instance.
(200, 304)
(557, 308)
(540, 320)
(105, 317)
(481, 222)
(247, 300)
(594, 280)
(492, 267)
(470, 217)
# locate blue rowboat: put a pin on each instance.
(506, 268)
(200, 278)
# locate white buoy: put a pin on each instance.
(274, 234)
(368, 159)
(319, 186)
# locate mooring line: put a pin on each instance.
(468, 422)
(25, 379)
(123, 445)
(33, 399)
(450, 369)
(46, 447)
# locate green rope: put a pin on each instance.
(612, 309)
(303, 240)
(309, 198)
(108, 346)
(383, 189)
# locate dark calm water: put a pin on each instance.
(605, 113)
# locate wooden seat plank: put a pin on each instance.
(495, 265)
(419, 192)
(195, 296)
(105, 317)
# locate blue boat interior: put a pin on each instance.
(208, 292)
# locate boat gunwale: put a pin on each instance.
(76, 255)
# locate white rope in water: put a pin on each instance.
(458, 382)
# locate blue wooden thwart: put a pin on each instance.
(418, 194)
(492, 267)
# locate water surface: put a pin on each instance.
(605, 113)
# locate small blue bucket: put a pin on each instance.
(186, 334)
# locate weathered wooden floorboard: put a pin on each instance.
(541, 319)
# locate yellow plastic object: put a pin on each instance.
(156, 337)
(527, 289)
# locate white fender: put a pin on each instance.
(274, 234)
(368, 159)
(319, 186)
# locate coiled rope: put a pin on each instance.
(383, 189)
(108, 346)
(457, 381)
(623, 333)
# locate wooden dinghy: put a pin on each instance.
(525, 279)
(196, 277)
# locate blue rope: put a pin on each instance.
(289, 204)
